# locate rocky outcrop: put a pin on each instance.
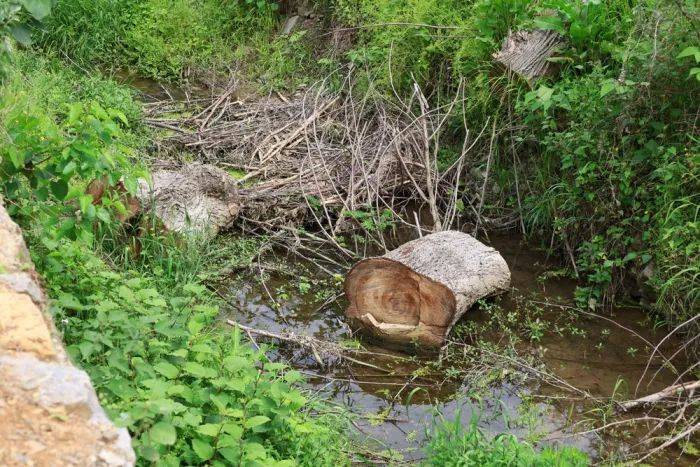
(49, 412)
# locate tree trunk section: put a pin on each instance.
(194, 199)
(417, 292)
(527, 53)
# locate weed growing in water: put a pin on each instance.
(452, 444)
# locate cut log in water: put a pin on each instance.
(417, 292)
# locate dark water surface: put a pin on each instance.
(523, 409)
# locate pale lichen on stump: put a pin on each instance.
(417, 292)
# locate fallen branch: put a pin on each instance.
(317, 347)
(671, 391)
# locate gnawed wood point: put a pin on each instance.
(527, 53)
(417, 292)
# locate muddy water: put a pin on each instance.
(595, 355)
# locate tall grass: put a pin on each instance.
(168, 40)
(451, 445)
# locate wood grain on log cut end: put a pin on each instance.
(417, 292)
(398, 303)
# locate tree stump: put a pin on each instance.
(194, 199)
(527, 53)
(417, 292)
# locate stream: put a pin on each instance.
(396, 409)
(592, 354)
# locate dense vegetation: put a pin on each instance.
(606, 152)
(600, 162)
(616, 123)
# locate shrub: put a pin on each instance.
(54, 146)
(159, 39)
(90, 32)
(189, 391)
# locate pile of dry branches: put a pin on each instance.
(325, 156)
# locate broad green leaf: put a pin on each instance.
(69, 168)
(163, 433)
(210, 429)
(85, 202)
(39, 9)
(606, 88)
(199, 370)
(59, 189)
(690, 51)
(231, 454)
(69, 302)
(202, 348)
(256, 421)
(166, 369)
(545, 93)
(203, 449)
(550, 22)
(254, 451)
(234, 430)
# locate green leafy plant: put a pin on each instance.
(694, 53)
(46, 166)
(452, 444)
(14, 18)
(188, 391)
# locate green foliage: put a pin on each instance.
(594, 29)
(394, 50)
(188, 391)
(89, 32)
(169, 40)
(15, 15)
(170, 37)
(371, 220)
(619, 173)
(144, 329)
(45, 165)
(450, 444)
(692, 53)
(60, 133)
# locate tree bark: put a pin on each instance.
(196, 198)
(417, 292)
(527, 52)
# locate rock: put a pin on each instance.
(417, 292)
(14, 256)
(22, 325)
(24, 282)
(55, 417)
(49, 412)
(197, 198)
